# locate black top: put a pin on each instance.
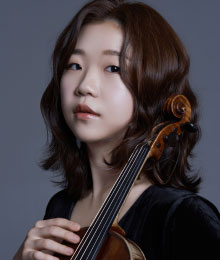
(166, 223)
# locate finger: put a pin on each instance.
(35, 233)
(47, 252)
(37, 255)
(48, 244)
(56, 232)
(61, 222)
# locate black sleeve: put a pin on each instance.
(195, 231)
(58, 206)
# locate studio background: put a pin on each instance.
(29, 30)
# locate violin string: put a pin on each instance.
(85, 237)
(106, 223)
(123, 180)
(114, 208)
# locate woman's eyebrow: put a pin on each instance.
(105, 52)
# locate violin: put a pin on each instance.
(104, 238)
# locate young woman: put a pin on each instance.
(114, 66)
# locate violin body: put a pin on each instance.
(115, 247)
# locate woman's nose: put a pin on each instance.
(89, 85)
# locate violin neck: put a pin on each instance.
(95, 235)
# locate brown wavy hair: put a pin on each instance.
(158, 69)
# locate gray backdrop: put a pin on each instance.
(28, 33)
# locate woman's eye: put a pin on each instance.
(114, 68)
(76, 66)
(73, 66)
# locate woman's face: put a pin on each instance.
(92, 78)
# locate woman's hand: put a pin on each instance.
(44, 240)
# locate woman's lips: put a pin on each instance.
(84, 108)
(85, 116)
(83, 111)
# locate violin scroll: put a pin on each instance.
(178, 107)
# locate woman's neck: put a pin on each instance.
(102, 176)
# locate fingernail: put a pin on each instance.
(76, 239)
(69, 251)
(77, 226)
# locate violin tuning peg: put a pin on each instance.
(190, 127)
(171, 139)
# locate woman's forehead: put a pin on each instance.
(104, 38)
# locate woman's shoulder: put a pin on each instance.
(199, 205)
(199, 214)
(167, 195)
(58, 205)
(158, 196)
(185, 218)
(171, 202)
(195, 222)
